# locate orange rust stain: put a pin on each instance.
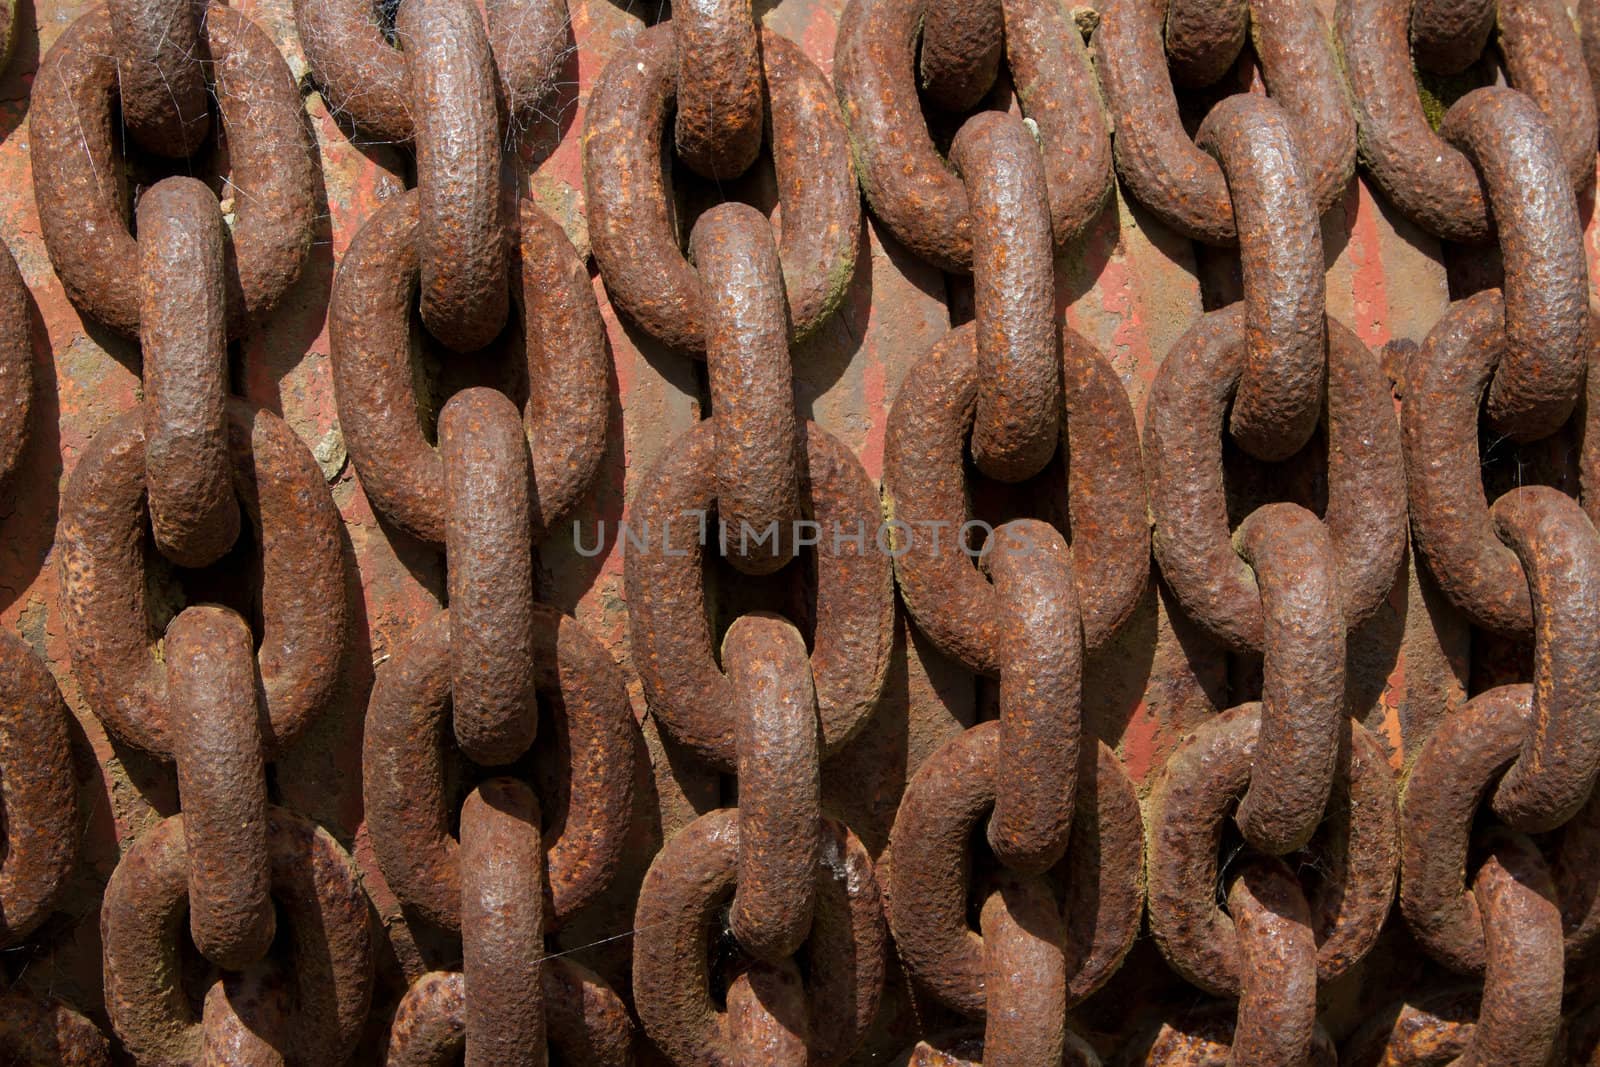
(1387, 723)
(1371, 296)
(1119, 295)
(1118, 290)
(1140, 742)
(821, 32)
(874, 390)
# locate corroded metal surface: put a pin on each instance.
(1365, 512)
(630, 215)
(83, 199)
(316, 883)
(1155, 158)
(405, 774)
(216, 747)
(1018, 417)
(1427, 179)
(718, 125)
(161, 85)
(1280, 257)
(456, 135)
(731, 732)
(194, 516)
(910, 190)
(683, 894)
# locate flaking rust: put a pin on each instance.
(1025, 709)
(83, 197)
(404, 773)
(630, 216)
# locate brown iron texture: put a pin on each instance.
(378, 385)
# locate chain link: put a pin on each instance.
(725, 804)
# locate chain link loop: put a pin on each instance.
(687, 829)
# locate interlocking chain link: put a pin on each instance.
(706, 795)
(470, 843)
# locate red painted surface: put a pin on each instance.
(1128, 286)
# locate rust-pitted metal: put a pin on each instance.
(1519, 1018)
(1167, 173)
(364, 76)
(35, 1032)
(928, 879)
(1102, 910)
(1204, 38)
(960, 53)
(1026, 982)
(1560, 553)
(222, 784)
(1279, 397)
(245, 1017)
(1017, 423)
(83, 196)
(183, 334)
(1041, 694)
(1454, 532)
(719, 96)
(1432, 183)
(964, 1048)
(404, 772)
(689, 695)
(1432, 1028)
(1442, 1027)
(1278, 968)
(16, 364)
(1448, 36)
(1153, 679)
(161, 84)
(630, 216)
(1203, 1037)
(565, 349)
(767, 1018)
(456, 126)
(115, 643)
(1513, 149)
(1576, 859)
(1446, 787)
(587, 1022)
(530, 43)
(430, 1023)
(38, 795)
(502, 925)
(683, 895)
(910, 188)
(752, 386)
(489, 553)
(315, 883)
(1588, 20)
(1457, 768)
(780, 802)
(1303, 677)
(927, 505)
(1366, 485)
(1197, 791)
(8, 33)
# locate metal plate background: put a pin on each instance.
(1130, 286)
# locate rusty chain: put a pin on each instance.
(467, 841)
(847, 768)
